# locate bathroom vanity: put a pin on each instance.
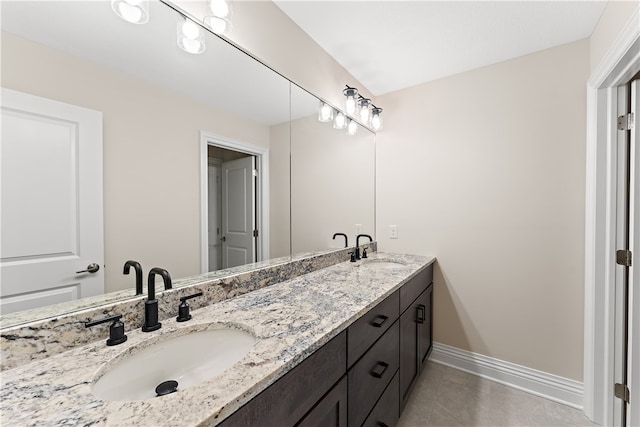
(341, 345)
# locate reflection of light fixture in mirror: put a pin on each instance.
(218, 25)
(352, 128)
(340, 122)
(221, 8)
(350, 103)
(190, 36)
(376, 120)
(220, 19)
(325, 114)
(134, 11)
(363, 104)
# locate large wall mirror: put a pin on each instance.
(173, 122)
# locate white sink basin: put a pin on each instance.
(382, 264)
(188, 359)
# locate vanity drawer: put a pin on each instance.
(366, 330)
(370, 375)
(414, 287)
(387, 410)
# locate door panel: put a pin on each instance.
(238, 212)
(51, 200)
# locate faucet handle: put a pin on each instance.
(364, 252)
(353, 256)
(116, 330)
(183, 308)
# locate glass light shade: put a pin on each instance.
(376, 120)
(134, 11)
(350, 105)
(340, 122)
(221, 9)
(352, 128)
(365, 113)
(325, 114)
(218, 25)
(190, 37)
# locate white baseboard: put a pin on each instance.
(553, 387)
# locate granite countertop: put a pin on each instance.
(290, 321)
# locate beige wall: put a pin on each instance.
(615, 16)
(151, 154)
(332, 185)
(485, 170)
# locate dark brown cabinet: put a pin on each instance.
(416, 332)
(288, 400)
(369, 377)
(386, 411)
(362, 377)
(331, 411)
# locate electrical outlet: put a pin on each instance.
(358, 229)
(393, 231)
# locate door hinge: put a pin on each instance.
(626, 122)
(255, 233)
(621, 391)
(255, 172)
(623, 257)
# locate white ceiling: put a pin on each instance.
(390, 45)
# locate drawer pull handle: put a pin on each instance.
(421, 312)
(379, 321)
(378, 370)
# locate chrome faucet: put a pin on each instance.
(358, 243)
(136, 265)
(151, 304)
(346, 239)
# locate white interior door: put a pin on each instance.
(51, 202)
(238, 212)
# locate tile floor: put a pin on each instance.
(445, 396)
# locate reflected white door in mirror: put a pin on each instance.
(51, 196)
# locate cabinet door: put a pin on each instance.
(409, 367)
(425, 324)
(331, 411)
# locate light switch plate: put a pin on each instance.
(393, 231)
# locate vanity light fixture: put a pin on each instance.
(376, 120)
(352, 127)
(220, 19)
(350, 103)
(340, 121)
(365, 113)
(134, 11)
(325, 114)
(190, 36)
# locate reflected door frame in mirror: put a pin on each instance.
(262, 206)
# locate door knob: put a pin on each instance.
(91, 268)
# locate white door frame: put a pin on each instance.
(617, 68)
(262, 162)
